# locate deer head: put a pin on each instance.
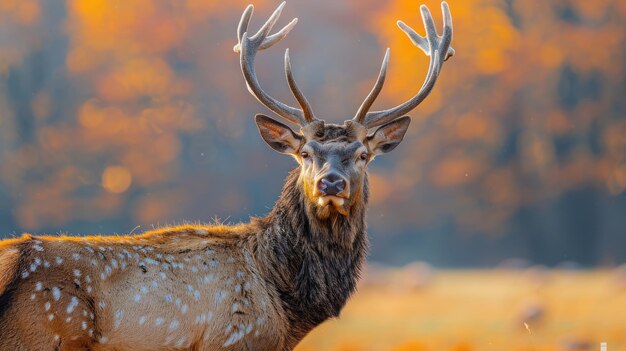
(333, 158)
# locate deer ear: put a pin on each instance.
(388, 136)
(277, 135)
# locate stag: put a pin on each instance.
(261, 285)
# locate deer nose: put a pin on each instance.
(331, 184)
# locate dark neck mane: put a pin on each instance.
(313, 262)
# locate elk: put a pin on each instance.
(261, 285)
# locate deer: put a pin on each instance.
(261, 285)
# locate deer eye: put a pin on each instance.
(304, 154)
(364, 156)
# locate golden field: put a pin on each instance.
(523, 310)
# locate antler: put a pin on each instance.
(248, 47)
(432, 45)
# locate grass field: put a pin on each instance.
(481, 310)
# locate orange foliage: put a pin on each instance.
(151, 80)
(481, 310)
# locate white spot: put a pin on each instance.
(101, 304)
(50, 317)
(56, 293)
(83, 325)
(68, 319)
(33, 296)
(158, 321)
(137, 297)
(142, 320)
(33, 267)
(168, 298)
(162, 275)
(88, 278)
(234, 308)
(260, 321)
(168, 340)
(38, 286)
(24, 274)
(89, 249)
(180, 342)
(89, 288)
(154, 284)
(72, 305)
(178, 302)
(201, 232)
(174, 325)
(38, 248)
(207, 278)
(246, 286)
(234, 337)
(107, 270)
(249, 328)
(56, 337)
(76, 256)
(46, 264)
(46, 306)
(103, 340)
(184, 309)
(114, 263)
(220, 296)
(118, 319)
(77, 272)
(143, 290)
(237, 288)
(240, 274)
(102, 276)
(200, 319)
(77, 282)
(58, 260)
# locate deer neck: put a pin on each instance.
(313, 262)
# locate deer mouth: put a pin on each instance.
(333, 202)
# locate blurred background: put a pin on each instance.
(124, 115)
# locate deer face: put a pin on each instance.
(333, 158)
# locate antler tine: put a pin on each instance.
(447, 30)
(378, 86)
(244, 22)
(248, 46)
(275, 38)
(297, 93)
(433, 45)
(269, 24)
